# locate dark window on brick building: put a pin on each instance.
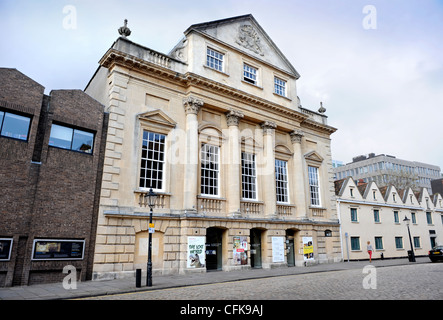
(14, 126)
(71, 139)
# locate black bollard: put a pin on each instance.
(138, 278)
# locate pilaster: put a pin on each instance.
(233, 166)
(298, 175)
(269, 168)
(192, 106)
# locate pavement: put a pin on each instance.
(56, 291)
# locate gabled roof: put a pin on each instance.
(249, 37)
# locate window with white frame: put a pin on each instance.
(249, 74)
(314, 186)
(214, 59)
(399, 242)
(280, 86)
(355, 243)
(281, 180)
(249, 176)
(152, 161)
(354, 216)
(209, 170)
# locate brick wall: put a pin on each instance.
(47, 192)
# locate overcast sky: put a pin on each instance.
(377, 69)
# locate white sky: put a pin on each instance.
(382, 88)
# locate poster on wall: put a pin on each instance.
(240, 250)
(5, 249)
(51, 249)
(278, 249)
(196, 252)
(308, 248)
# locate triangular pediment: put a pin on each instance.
(158, 117)
(313, 156)
(246, 35)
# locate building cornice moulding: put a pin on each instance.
(161, 68)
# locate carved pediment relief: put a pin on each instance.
(158, 117)
(248, 38)
(314, 156)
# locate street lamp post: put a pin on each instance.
(149, 199)
(411, 257)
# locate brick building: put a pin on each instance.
(50, 164)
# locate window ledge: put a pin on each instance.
(213, 69)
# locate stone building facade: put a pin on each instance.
(216, 129)
(369, 213)
(50, 168)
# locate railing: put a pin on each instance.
(285, 209)
(210, 205)
(162, 201)
(251, 207)
(317, 212)
(158, 58)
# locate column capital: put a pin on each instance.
(233, 117)
(268, 127)
(192, 104)
(296, 136)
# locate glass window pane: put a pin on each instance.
(60, 137)
(15, 126)
(82, 141)
(1, 118)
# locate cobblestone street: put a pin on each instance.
(406, 282)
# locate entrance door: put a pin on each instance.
(290, 247)
(256, 248)
(214, 248)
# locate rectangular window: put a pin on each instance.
(399, 242)
(355, 243)
(378, 243)
(314, 187)
(249, 178)
(417, 242)
(280, 86)
(429, 217)
(209, 170)
(396, 217)
(214, 59)
(249, 74)
(14, 126)
(281, 180)
(376, 215)
(414, 220)
(354, 217)
(71, 139)
(152, 161)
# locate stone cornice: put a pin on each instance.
(160, 67)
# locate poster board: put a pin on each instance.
(240, 250)
(278, 249)
(196, 252)
(5, 249)
(308, 248)
(55, 249)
